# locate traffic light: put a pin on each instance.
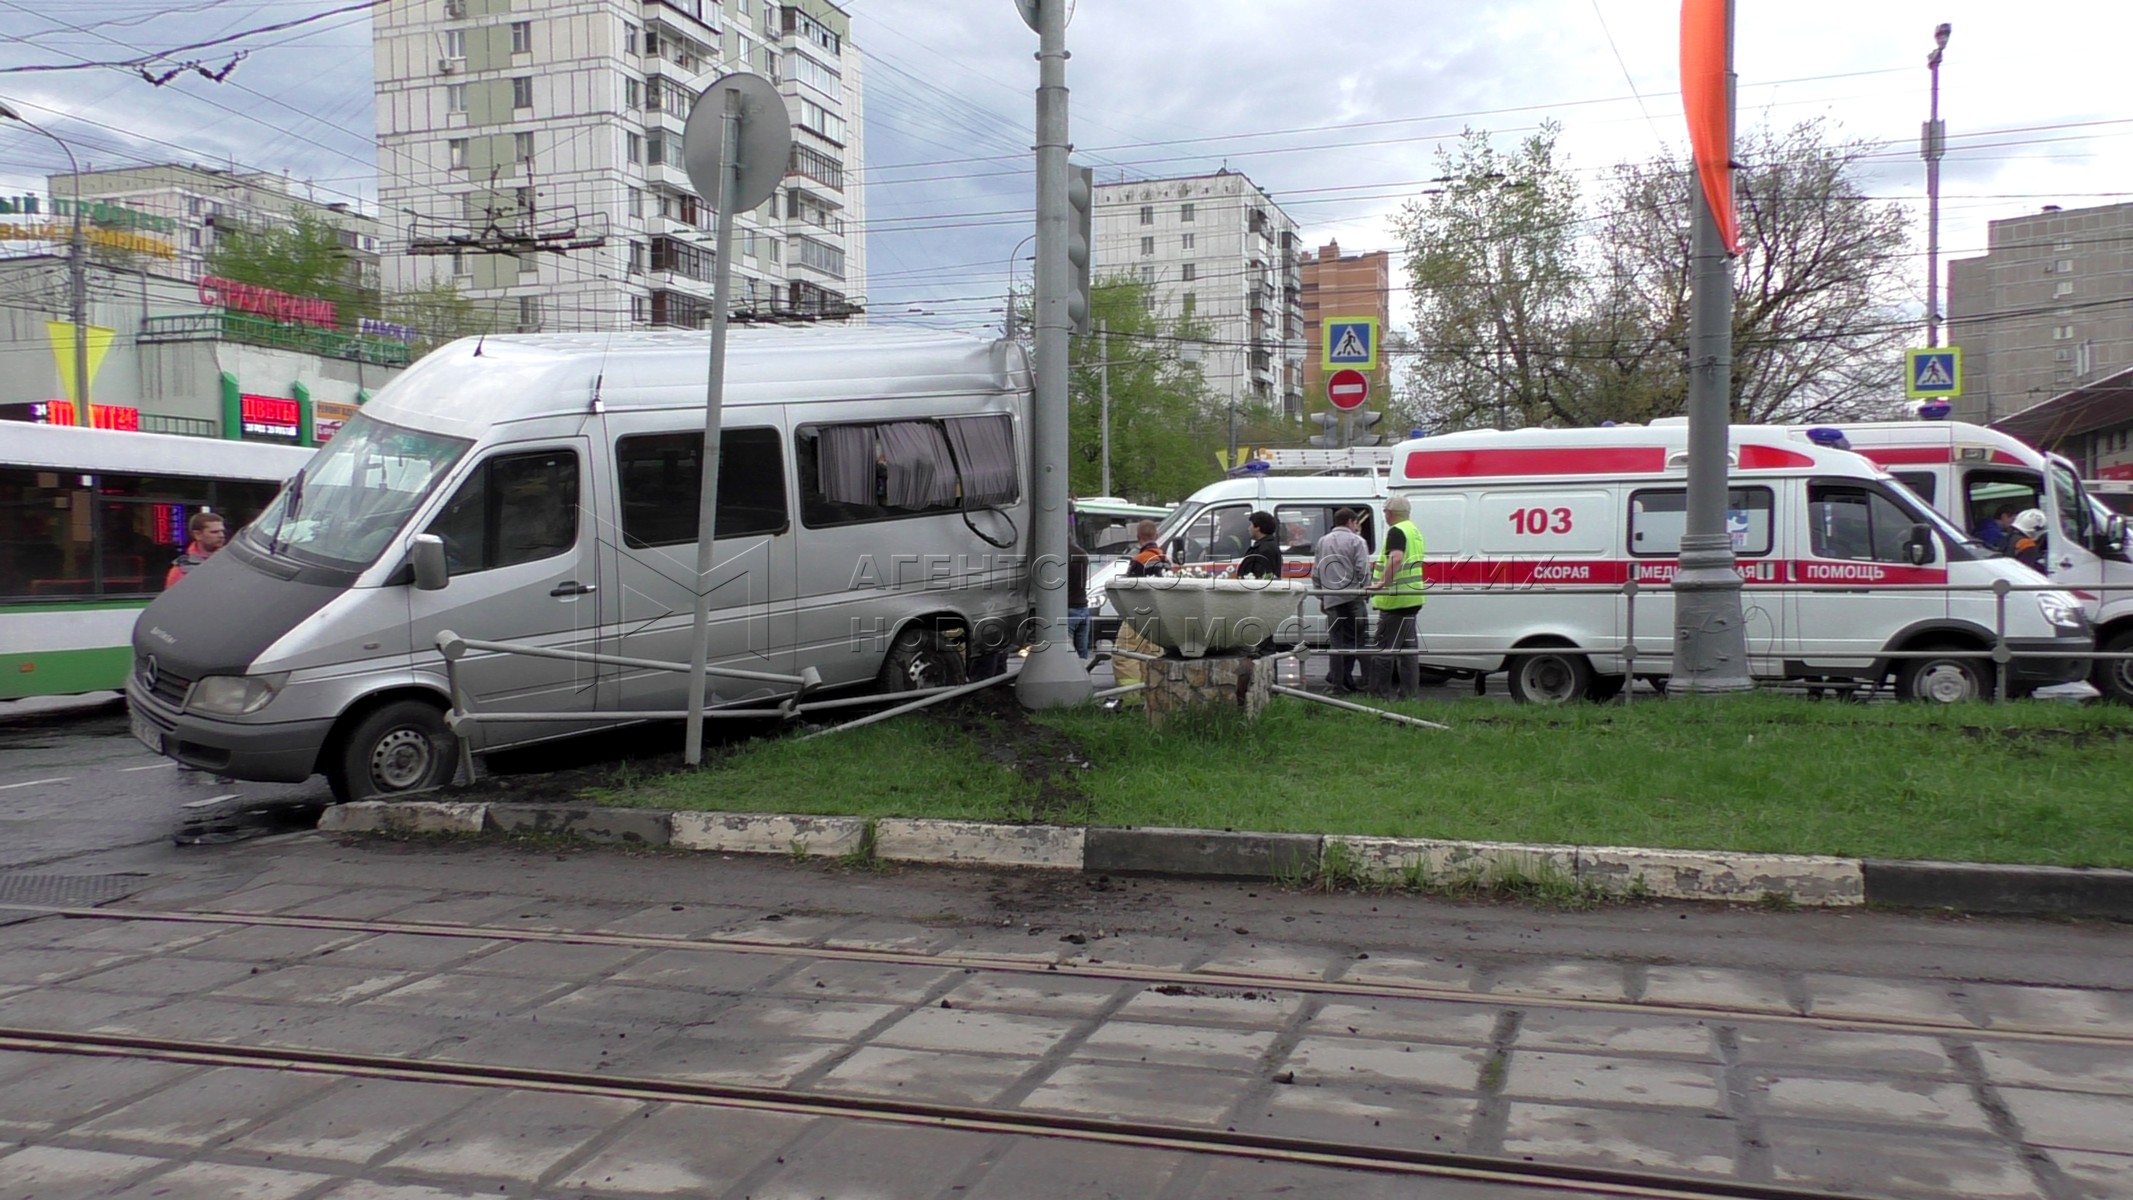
(1330, 421)
(1362, 423)
(1081, 197)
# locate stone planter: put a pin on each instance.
(1196, 617)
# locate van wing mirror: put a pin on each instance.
(427, 558)
(1918, 549)
(2114, 535)
(1177, 550)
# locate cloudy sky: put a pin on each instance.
(1335, 109)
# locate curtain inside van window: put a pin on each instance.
(985, 448)
(844, 464)
(919, 471)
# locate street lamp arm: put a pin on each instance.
(77, 274)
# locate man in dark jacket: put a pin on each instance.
(208, 532)
(1263, 560)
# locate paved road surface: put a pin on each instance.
(1875, 1054)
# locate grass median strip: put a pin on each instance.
(2033, 783)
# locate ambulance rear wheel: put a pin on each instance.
(1550, 677)
(2114, 676)
(1948, 680)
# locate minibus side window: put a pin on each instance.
(882, 470)
(514, 508)
(1657, 517)
(1856, 524)
(660, 478)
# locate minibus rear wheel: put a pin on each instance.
(919, 659)
(401, 748)
(1948, 680)
(1550, 677)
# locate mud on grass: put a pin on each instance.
(977, 758)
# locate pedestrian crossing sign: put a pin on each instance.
(1936, 372)
(1351, 342)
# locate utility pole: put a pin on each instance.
(1103, 377)
(1932, 143)
(1710, 640)
(1053, 676)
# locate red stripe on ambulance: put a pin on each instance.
(1599, 460)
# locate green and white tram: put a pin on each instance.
(90, 521)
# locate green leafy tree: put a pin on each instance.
(1493, 267)
(1160, 445)
(303, 258)
(439, 312)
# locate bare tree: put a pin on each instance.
(1529, 312)
(1818, 323)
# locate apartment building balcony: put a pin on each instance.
(250, 330)
(667, 175)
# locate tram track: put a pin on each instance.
(1055, 968)
(1572, 1179)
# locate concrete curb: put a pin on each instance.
(1229, 854)
(1993, 888)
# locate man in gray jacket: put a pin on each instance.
(1342, 565)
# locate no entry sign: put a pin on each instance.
(1347, 389)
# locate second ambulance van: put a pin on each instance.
(1532, 534)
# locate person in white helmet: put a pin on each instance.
(2026, 538)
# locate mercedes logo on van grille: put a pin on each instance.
(148, 672)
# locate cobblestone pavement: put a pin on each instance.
(1558, 1037)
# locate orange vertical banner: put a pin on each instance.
(1704, 41)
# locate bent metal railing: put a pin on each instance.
(2000, 653)
(789, 707)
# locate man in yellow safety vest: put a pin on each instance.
(1396, 594)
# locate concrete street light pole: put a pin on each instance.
(77, 276)
(1053, 676)
(1710, 639)
(1931, 146)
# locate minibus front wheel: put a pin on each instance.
(396, 749)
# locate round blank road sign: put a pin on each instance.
(1347, 389)
(765, 137)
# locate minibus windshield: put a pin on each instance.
(347, 503)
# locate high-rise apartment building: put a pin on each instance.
(2044, 310)
(553, 129)
(1338, 285)
(1217, 249)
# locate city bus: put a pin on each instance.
(90, 522)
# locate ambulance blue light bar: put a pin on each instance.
(1824, 435)
(1935, 410)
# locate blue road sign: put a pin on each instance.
(1933, 372)
(1351, 342)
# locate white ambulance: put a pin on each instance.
(1209, 532)
(1530, 536)
(1969, 473)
